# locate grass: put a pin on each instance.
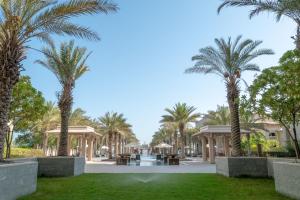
(154, 187)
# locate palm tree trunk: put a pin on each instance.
(5, 97)
(233, 101)
(116, 144)
(9, 139)
(110, 145)
(190, 145)
(65, 106)
(181, 131)
(119, 144)
(11, 56)
(175, 143)
(171, 143)
(45, 141)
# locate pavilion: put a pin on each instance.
(86, 137)
(215, 138)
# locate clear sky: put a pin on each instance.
(137, 67)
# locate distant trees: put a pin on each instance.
(115, 125)
(31, 116)
(181, 115)
(48, 121)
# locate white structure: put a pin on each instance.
(215, 140)
(163, 146)
(85, 136)
(272, 130)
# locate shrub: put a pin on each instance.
(26, 153)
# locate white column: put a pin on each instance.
(90, 148)
(69, 144)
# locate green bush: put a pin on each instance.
(26, 153)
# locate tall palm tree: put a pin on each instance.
(228, 61)
(288, 8)
(181, 115)
(24, 20)
(112, 124)
(68, 65)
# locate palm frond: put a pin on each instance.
(67, 63)
(229, 59)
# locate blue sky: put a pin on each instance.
(137, 67)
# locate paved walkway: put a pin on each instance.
(194, 166)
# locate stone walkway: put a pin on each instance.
(195, 166)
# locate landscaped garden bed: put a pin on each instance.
(242, 166)
(61, 166)
(155, 186)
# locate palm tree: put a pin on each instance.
(68, 65)
(78, 118)
(181, 115)
(113, 124)
(163, 135)
(49, 121)
(288, 8)
(24, 20)
(219, 117)
(228, 61)
(172, 128)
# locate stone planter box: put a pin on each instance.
(17, 178)
(272, 160)
(242, 166)
(287, 179)
(61, 166)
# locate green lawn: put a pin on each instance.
(154, 187)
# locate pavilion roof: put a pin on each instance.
(77, 130)
(217, 129)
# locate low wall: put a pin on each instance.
(287, 179)
(61, 166)
(242, 166)
(248, 166)
(17, 179)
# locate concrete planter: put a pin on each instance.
(61, 166)
(242, 166)
(17, 178)
(272, 160)
(287, 179)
